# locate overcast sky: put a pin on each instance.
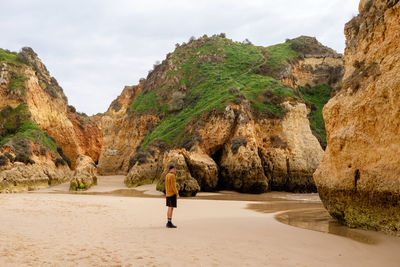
(94, 48)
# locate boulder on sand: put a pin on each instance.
(186, 184)
(85, 174)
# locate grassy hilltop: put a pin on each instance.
(210, 72)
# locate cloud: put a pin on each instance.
(94, 48)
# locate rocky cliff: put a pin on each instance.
(37, 127)
(315, 64)
(84, 175)
(25, 80)
(359, 177)
(30, 165)
(122, 133)
(218, 110)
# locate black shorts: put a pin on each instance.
(171, 201)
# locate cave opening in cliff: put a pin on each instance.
(217, 156)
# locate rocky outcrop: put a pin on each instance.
(142, 174)
(148, 168)
(288, 150)
(20, 177)
(251, 157)
(260, 154)
(314, 64)
(314, 70)
(186, 184)
(122, 133)
(145, 167)
(241, 166)
(221, 116)
(27, 81)
(203, 168)
(42, 168)
(359, 177)
(84, 175)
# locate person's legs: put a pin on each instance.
(169, 212)
(171, 203)
(169, 216)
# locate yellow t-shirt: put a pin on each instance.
(170, 185)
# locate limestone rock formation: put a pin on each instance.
(25, 80)
(250, 158)
(186, 184)
(122, 133)
(289, 152)
(142, 174)
(150, 167)
(145, 168)
(42, 168)
(203, 168)
(220, 109)
(315, 64)
(241, 166)
(359, 177)
(84, 175)
(20, 177)
(317, 69)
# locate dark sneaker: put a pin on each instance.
(170, 225)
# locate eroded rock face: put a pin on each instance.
(75, 133)
(186, 184)
(84, 175)
(258, 154)
(20, 177)
(142, 174)
(146, 168)
(288, 151)
(241, 167)
(359, 176)
(316, 70)
(315, 65)
(49, 134)
(42, 171)
(122, 133)
(203, 168)
(305, 154)
(237, 151)
(245, 138)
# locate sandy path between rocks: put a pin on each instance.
(93, 230)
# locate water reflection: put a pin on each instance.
(314, 217)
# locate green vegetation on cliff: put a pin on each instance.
(279, 54)
(145, 102)
(209, 73)
(17, 82)
(8, 56)
(15, 124)
(11, 57)
(317, 97)
(17, 63)
(305, 45)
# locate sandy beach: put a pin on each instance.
(47, 229)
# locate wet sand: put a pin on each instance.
(51, 228)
